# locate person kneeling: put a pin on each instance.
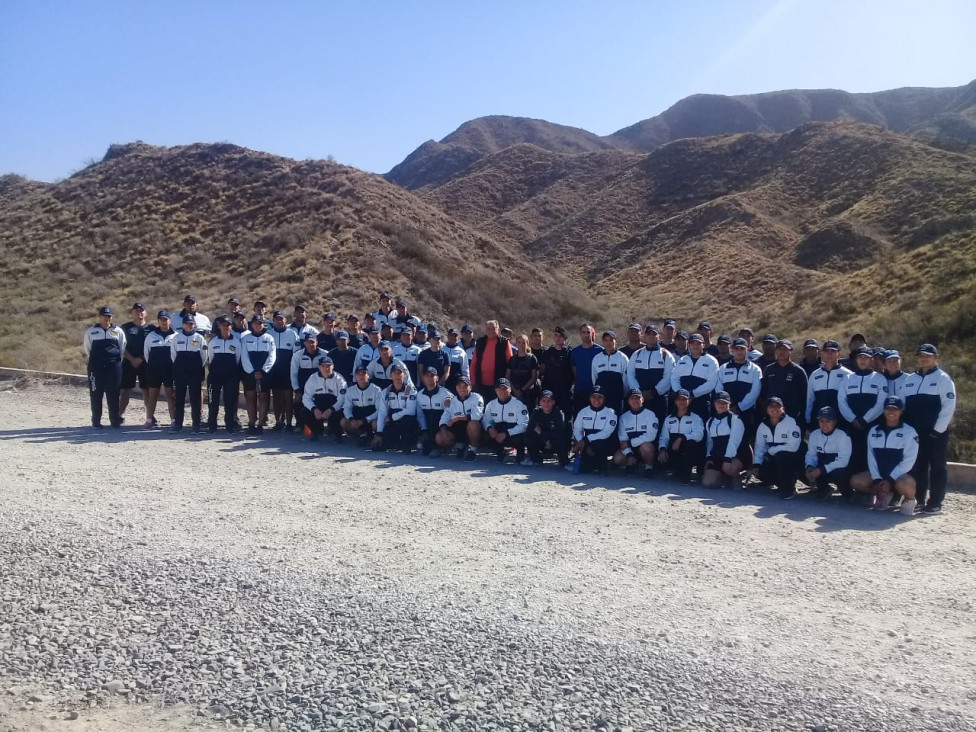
(779, 449)
(322, 401)
(505, 420)
(828, 457)
(681, 445)
(361, 407)
(595, 433)
(724, 444)
(637, 434)
(892, 450)
(548, 432)
(396, 419)
(460, 425)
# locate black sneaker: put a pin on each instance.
(932, 510)
(212, 428)
(195, 429)
(98, 426)
(470, 456)
(279, 426)
(259, 430)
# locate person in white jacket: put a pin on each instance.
(779, 449)
(681, 444)
(724, 449)
(595, 433)
(460, 425)
(637, 432)
(323, 400)
(396, 419)
(505, 421)
(892, 451)
(828, 457)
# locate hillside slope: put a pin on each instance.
(151, 224)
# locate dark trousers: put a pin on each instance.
(690, 455)
(192, 383)
(318, 426)
(105, 381)
(781, 470)
(840, 478)
(401, 434)
(516, 441)
(547, 444)
(602, 450)
(580, 402)
(222, 390)
(931, 472)
(702, 406)
(657, 403)
(564, 402)
(859, 449)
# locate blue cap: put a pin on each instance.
(670, 323)
(465, 380)
(740, 343)
(433, 333)
(705, 324)
(635, 326)
(774, 400)
(342, 334)
(609, 333)
(326, 359)
(651, 329)
(106, 310)
(892, 354)
(430, 370)
(634, 392)
(927, 349)
(503, 382)
(722, 396)
(329, 316)
(770, 338)
(830, 346)
(188, 319)
(310, 335)
(466, 328)
(398, 365)
(785, 344)
(546, 394)
(362, 367)
(163, 314)
(682, 334)
(682, 393)
(895, 402)
(385, 344)
(696, 337)
(827, 413)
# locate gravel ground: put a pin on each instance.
(273, 583)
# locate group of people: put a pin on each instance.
(668, 402)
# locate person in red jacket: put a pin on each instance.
(490, 361)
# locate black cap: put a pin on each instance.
(233, 301)
(546, 394)
(746, 330)
(597, 391)
(609, 333)
(398, 365)
(770, 338)
(163, 314)
(310, 336)
(682, 334)
(190, 298)
(259, 301)
(106, 310)
(682, 394)
(341, 335)
(503, 382)
(725, 339)
(827, 413)
(188, 319)
(722, 396)
(258, 319)
(785, 344)
(740, 343)
(466, 328)
(464, 380)
(634, 392)
(670, 323)
(635, 326)
(325, 359)
(705, 324)
(430, 370)
(369, 316)
(811, 343)
(452, 331)
(927, 349)
(894, 401)
(299, 306)
(138, 306)
(433, 333)
(696, 338)
(371, 330)
(892, 354)
(221, 320)
(401, 303)
(862, 351)
(385, 295)
(362, 367)
(240, 314)
(879, 351)
(278, 314)
(830, 346)
(774, 400)
(651, 328)
(383, 345)
(352, 316)
(329, 316)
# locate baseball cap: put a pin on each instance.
(895, 402)
(325, 359)
(258, 319)
(163, 314)
(106, 311)
(352, 316)
(188, 319)
(878, 351)
(369, 316)
(652, 329)
(927, 349)
(827, 413)
(740, 343)
(609, 333)
(705, 324)
(452, 331)
(682, 394)
(371, 330)
(696, 338)
(233, 301)
(384, 295)
(341, 335)
(404, 329)
(240, 315)
(862, 351)
(278, 314)
(433, 333)
(785, 344)
(634, 392)
(464, 380)
(398, 366)
(560, 330)
(830, 346)
(221, 320)
(598, 390)
(770, 338)
(722, 396)
(466, 328)
(546, 394)
(401, 303)
(430, 370)
(746, 330)
(384, 345)
(635, 326)
(138, 306)
(892, 354)
(503, 382)
(260, 302)
(670, 323)
(682, 334)
(310, 336)
(299, 306)
(774, 400)
(362, 367)
(725, 339)
(811, 343)
(329, 316)
(190, 298)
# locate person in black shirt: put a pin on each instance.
(523, 372)
(357, 339)
(858, 341)
(344, 357)
(133, 362)
(768, 347)
(326, 337)
(548, 432)
(786, 380)
(633, 340)
(723, 349)
(556, 367)
(811, 360)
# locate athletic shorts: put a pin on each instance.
(251, 384)
(460, 431)
(279, 378)
(131, 375)
(159, 377)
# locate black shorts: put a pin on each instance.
(251, 384)
(131, 375)
(158, 377)
(460, 431)
(279, 378)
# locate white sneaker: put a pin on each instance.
(882, 501)
(908, 507)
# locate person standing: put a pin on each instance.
(104, 343)
(189, 353)
(159, 367)
(741, 379)
(893, 374)
(861, 402)
(523, 372)
(326, 337)
(930, 402)
(825, 384)
(457, 359)
(582, 360)
(223, 376)
(649, 370)
(633, 340)
(609, 371)
(200, 321)
(133, 360)
(697, 373)
(344, 357)
(287, 341)
(811, 356)
(787, 380)
(490, 361)
(556, 369)
(257, 357)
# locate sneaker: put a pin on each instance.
(908, 507)
(195, 429)
(932, 510)
(175, 427)
(149, 423)
(648, 471)
(459, 452)
(289, 427)
(881, 501)
(528, 463)
(279, 426)
(98, 425)
(470, 456)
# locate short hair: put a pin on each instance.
(536, 330)
(588, 327)
(492, 322)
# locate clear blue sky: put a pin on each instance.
(367, 82)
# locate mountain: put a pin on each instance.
(945, 116)
(151, 224)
